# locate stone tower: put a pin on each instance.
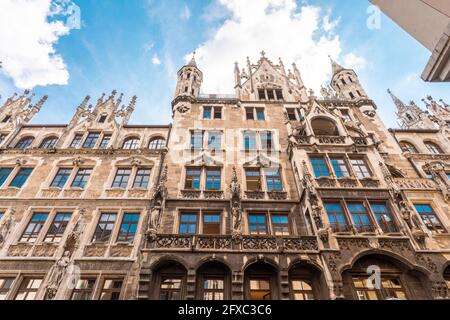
(189, 80)
(346, 83)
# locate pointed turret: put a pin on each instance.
(401, 107)
(190, 79)
(346, 83)
(336, 66)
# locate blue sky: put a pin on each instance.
(136, 47)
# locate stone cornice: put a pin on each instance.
(93, 152)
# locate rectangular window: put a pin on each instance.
(142, 178)
(170, 288)
(320, 167)
(58, 227)
(105, 141)
(262, 94)
(363, 291)
(1, 214)
(128, 227)
(76, 141)
(211, 223)
(121, 178)
(197, 139)
(82, 178)
(213, 288)
(360, 168)
(429, 218)
(270, 94)
(384, 217)
(391, 288)
(266, 140)
(279, 94)
(340, 168)
(28, 289)
(104, 227)
(250, 141)
(193, 176)
(111, 289)
(253, 177)
(273, 179)
(260, 289)
(84, 289)
(260, 114)
(448, 176)
(4, 174)
(188, 223)
(214, 140)
(249, 114)
(21, 178)
(360, 217)
(280, 225)
(291, 114)
(337, 218)
(207, 113)
(213, 179)
(34, 227)
(5, 286)
(91, 140)
(61, 178)
(217, 113)
(257, 224)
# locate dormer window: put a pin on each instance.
(270, 94)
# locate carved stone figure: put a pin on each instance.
(57, 274)
(5, 227)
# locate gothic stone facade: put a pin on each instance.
(270, 193)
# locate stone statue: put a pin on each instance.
(5, 227)
(237, 216)
(155, 215)
(57, 274)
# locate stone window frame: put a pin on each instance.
(51, 211)
(367, 206)
(276, 146)
(70, 164)
(134, 140)
(268, 213)
(100, 278)
(203, 169)
(15, 144)
(254, 109)
(263, 177)
(51, 137)
(20, 278)
(126, 164)
(84, 135)
(437, 213)
(120, 212)
(200, 212)
(213, 109)
(385, 274)
(297, 112)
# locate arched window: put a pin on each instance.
(157, 143)
(25, 143)
(408, 147)
(324, 127)
(433, 148)
(49, 143)
(131, 143)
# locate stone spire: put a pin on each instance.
(192, 63)
(398, 103)
(336, 66)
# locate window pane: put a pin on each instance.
(61, 178)
(104, 227)
(253, 177)
(28, 289)
(111, 289)
(340, 168)
(122, 177)
(58, 227)
(188, 223)
(81, 179)
(21, 177)
(257, 224)
(142, 178)
(105, 141)
(320, 167)
(91, 140)
(193, 179)
(83, 289)
(34, 227)
(336, 217)
(4, 174)
(213, 179)
(128, 227)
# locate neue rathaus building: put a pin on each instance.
(272, 193)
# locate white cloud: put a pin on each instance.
(304, 35)
(29, 30)
(156, 60)
(185, 13)
(353, 61)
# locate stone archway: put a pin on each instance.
(213, 281)
(169, 281)
(306, 282)
(261, 282)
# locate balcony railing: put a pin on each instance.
(227, 243)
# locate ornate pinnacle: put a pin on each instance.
(100, 100)
(132, 103)
(41, 102)
(113, 94)
(119, 101)
(235, 188)
(84, 102)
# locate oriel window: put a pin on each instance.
(340, 168)
(337, 218)
(320, 167)
(360, 217)
(360, 168)
(384, 217)
(280, 224)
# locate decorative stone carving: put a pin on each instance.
(95, 250)
(326, 182)
(191, 194)
(396, 245)
(259, 243)
(57, 273)
(213, 194)
(19, 250)
(427, 262)
(255, 195)
(121, 251)
(331, 140)
(300, 244)
(348, 183)
(172, 242)
(45, 250)
(277, 195)
(6, 225)
(214, 242)
(357, 243)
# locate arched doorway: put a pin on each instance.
(213, 281)
(305, 282)
(261, 282)
(170, 281)
(380, 277)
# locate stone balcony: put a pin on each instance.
(201, 243)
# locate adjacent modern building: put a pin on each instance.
(428, 21)
(274, 192)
